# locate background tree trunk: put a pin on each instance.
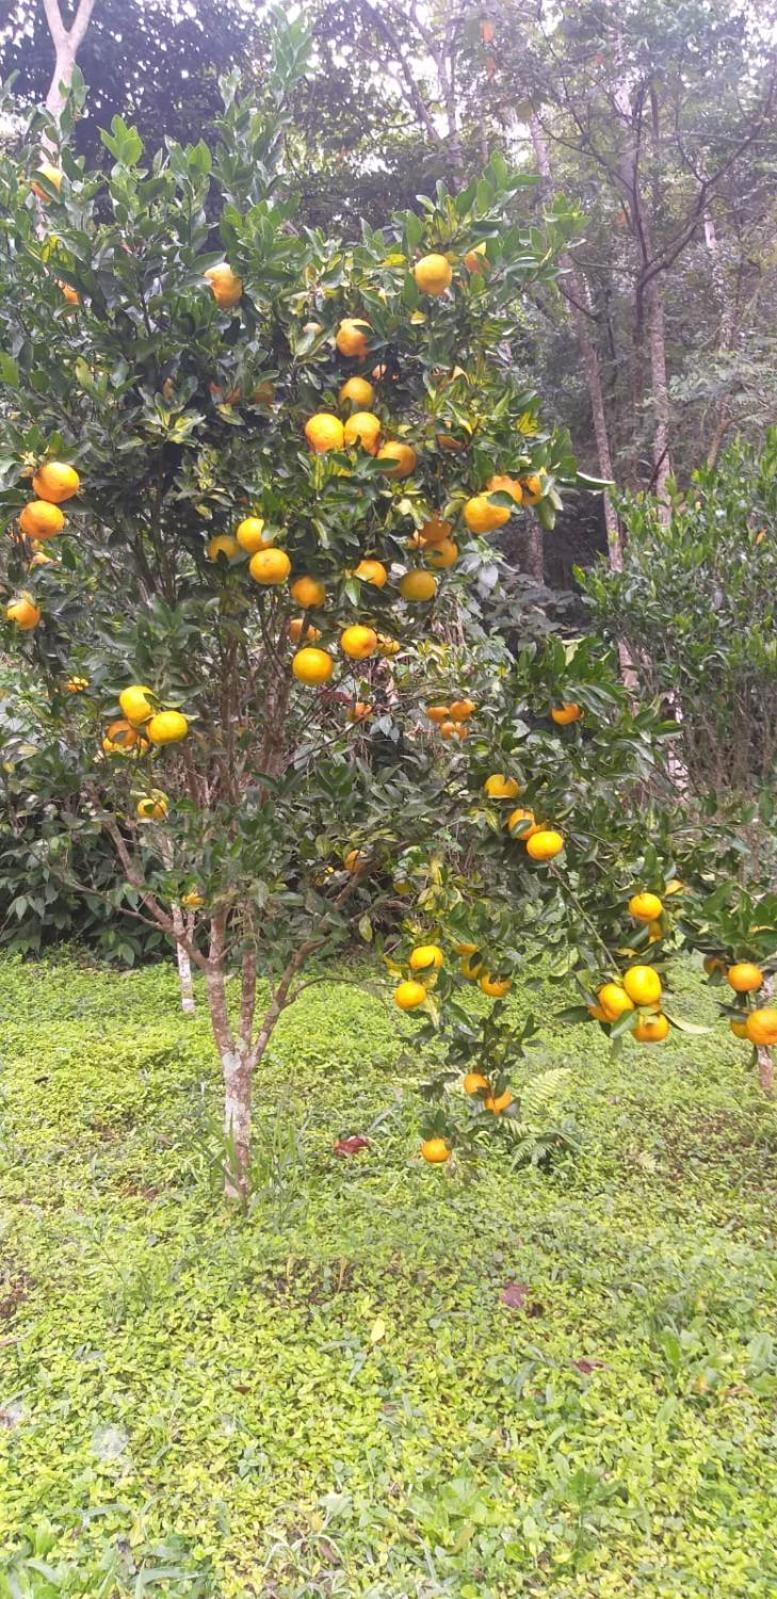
(67, 43)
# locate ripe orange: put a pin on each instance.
(435, 1151)
(324, 431)
(745, 977)
(438, 713)
(69, 294)
(402, 456)
(418, 587)
(645, 907)
(121, 736)
(425, 956)
(153, 807)
(448, 441)
(359, 711)
(222, 544)
(312, 666)
(298, 628)
(444, 554)
(433, 274)
(409, 994)
(564, 714)
(474, 1082)
(358, 642)
(739, 1029)
(372, 572)
(53, 175)
(495, 987)
(497, 786)
(502, 483)
(475, 259)
(41, 520)
(23, 612)
(483, 517)
(461, 710)
(77, 685)
(542, 846)
(435, 531)
(351, 338)
(465, 948)
(471, 969)
(761, 1026)
(598, 1013)
(250, 535)
(363, 428)
(651, 1029)
(167, 727)
(226, 287)
(498, 1104)
(308, 592)
(448, 729)
(270, 567)
(56, 482)
(533, 488)
(135, 704)
(523, 824)
(358, 392)
(355, 859)
(614, 1001)
(642, 984)
(388, 646)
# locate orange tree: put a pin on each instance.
(242, 469)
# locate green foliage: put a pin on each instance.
(330, 1396)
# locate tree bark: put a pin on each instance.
(662, 463)
(184, 963)
(67, 43)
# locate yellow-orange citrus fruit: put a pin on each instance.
(250, 535)
(222, 544)
(448, 728)
(435, 1151)
(23, 612)
(495, 987)
(497, 786)
(614, 1001)
(153, 807)
(77, 685)
(461, 710)
(498, 1104)
(645, 907)
(298, 628)
(474, 1082)
(475, 259)
(39, 519)
(363, 428)
(438, 713)
(448, 441)
(651, 1029)
(433, 274)
(372, 572)
(388, 646)
(359, 711)
(193, 900)
(598, 1013)
(739, 1029)
(167, 727)
(351, 338)
(269, 566)
(542, 846)
(745, 977)
(642, 984)
(409, 994)
(52, 174)
(68, 292)
(444, 554)
(523, 824)
(483, 517)
(358, 392)
(312, 666)
(226, 286)
(464, 947)
(564, 714)
(122, 734)
(308, 592)
(355, 859)
(502, 483)
(56, 482)
(532, 488)
(425, 956)
(324, 431)
(471, 969)
(435, 531)
(135, 704)
(358, 642)
(402, 458)
(761, 1026)
(417, 587)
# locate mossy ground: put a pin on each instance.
(328, 1396)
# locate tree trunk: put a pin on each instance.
(237, 1071)
(66, 42)
(662, 463)
(184, 963)
(764, 1056)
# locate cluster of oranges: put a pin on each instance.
(639, 988)
(542, 842)
(759, 1025)
(144, 723)
(54, 483)
(452, 720)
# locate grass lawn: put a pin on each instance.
(329, 1396)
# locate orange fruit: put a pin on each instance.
(438, 713)
(324, 431)
(433, 274)
(425, 956)
(121, 735)
(41, 520)
(153, 807)
(471, 969)
(68, 292)
(409, 994)
(495, 987)
(52, 174)
(465, 948)
(739, 1029)
(354, 860)
(497, 786)
(498, 1104)
(250, 535)
(388, 646)
(77, 685)
(270, 567)
(435, 531)
(351, 337)
(564, 714)
(598, 1013)
(308, 592)
(359, 711)
(167, 727)
(56, 482)
(222, 544)
(435, 1151)
(502, 483)
(358, 392)
(402, 456)
(226, 286)
(135, 704)
(651, 1029)
(372, 572)
(363, 428)
(475, 259)
(312, 666)
(444, 554)
(533, 488)
(614, 1001)
(359, 642)
(761, 1026)
(523, 824)
(542, 846)
(23, 612)
(449, 729)
(642, 984)
(418, 587)
(461, 710)
(193, 900)
(474, 1082)
(645, 907)
(299, 628)
(745, 977)
(483, 517)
